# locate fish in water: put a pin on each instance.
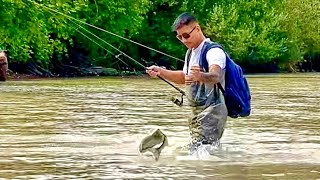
(154, 143)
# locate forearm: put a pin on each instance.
(173, 76)
(209, 77)
(213, 76)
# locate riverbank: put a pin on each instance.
(21, 77)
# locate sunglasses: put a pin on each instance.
(185, 35)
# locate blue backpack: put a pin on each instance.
(236, 92)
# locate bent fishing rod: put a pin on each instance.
(103, 30)
(175, 100)
(121, 52)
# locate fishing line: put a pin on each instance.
(178, 89)
(175, 100)
(70, 17)
(111, 45)
(102, 47)
(116, 56)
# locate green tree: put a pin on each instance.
(301, 26)
(34, 32)
(249, 30)
(254, 32)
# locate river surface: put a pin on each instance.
(91, 128)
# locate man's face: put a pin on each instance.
(187, 34)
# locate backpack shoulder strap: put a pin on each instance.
(206, 47)
(203, 60)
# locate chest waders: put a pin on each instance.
(209, 112)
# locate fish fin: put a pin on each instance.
(140, 148)
(156, 153)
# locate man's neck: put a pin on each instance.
(199, 42)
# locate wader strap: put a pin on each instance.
(215, 92)
(220, 87)
(188, 59)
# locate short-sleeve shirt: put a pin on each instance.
(214, 56)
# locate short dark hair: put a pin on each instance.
(183, 19)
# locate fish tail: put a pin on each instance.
(156, 153)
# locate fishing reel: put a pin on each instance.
(177, 101)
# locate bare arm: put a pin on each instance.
(173, 76)
(217, 58)
(213, 76)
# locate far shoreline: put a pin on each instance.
(27, 77)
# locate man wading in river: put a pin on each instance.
(209, 112)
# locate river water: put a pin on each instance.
(91, 128)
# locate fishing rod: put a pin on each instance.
(70, 17)
(121, 52)
(175, 100)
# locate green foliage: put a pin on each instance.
(301, 27)
(250, 30)
(254, 32)
(33, 32)
(110, 72)
(122, 18)
(27, 31)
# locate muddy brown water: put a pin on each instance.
(91, 128)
